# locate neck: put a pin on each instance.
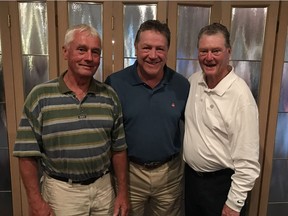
(212, 81)
(79, 86)
(151, 81)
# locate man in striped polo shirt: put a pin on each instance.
(72, 126)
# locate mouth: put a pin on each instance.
(210, 65)
(153, 63)
(87, 66)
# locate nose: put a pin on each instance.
(209, 55)
(88, 56)
(153, 53)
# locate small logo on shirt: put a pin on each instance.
(81, 116)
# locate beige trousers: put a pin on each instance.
(158, 191)
(74, 199)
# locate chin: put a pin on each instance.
(210, 72)
(86, 74)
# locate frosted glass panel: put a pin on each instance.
(0, 45)
(91, 14)
(279, 183)
(279, 209)
(33, 25)
(283, 103)
(286, 49)
(2, 95)
(250, 72)
(5, 180)
(3, 126)
(88, 13)
(99, 73)
(187, 67)
(190, 21)
(34, 42)
(281, 140)
(35, 71)
(128, 61)
(134, 15)
(247, 33)
(6, 203)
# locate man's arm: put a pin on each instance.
(119, 160)
(245, 155)
(227, 211)
(29, 174)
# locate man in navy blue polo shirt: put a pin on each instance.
(153, 98)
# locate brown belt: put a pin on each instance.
(82, 182)
(153, 164)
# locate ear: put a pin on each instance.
(64, 52)
(229, 51)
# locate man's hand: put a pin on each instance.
(121, 206)
(40, 208)
(226, 211)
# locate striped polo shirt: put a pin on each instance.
(72, 138)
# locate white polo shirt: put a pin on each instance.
(222, 131)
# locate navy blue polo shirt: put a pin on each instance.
(151, 116)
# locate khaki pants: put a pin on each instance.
(157, 191)
(75, 199)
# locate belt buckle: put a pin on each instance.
(152, 165)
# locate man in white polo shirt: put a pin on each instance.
(221, 143)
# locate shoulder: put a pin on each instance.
(44, 89)
(107, 93)
(177, 77)
(240, 84)
(123, 79)
(49, 84)
(195, 76)
(121, 74)
(104, 88)
(243, 91)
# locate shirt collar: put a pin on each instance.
(222, 86)
(64, 89)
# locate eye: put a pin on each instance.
(203, 52)
(160, 49)
(216, 52)
(96, 51)
(81, 49)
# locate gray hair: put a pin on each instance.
(70, 33)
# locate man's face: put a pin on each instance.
(151, 52)
(213, 55)
(83, 54)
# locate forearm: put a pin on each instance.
(119, 160)
(245, 156)
(242, 182)
(29, 173)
